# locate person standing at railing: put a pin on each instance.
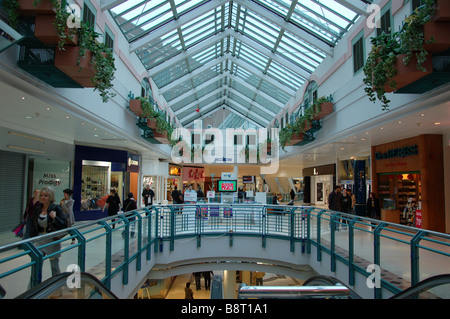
(48, 217)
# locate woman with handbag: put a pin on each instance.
(48, 217)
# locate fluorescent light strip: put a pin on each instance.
(27, 136)
(24, 149)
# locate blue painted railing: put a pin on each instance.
(106, 247)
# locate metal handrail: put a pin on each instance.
(294, 292)
(312, 227)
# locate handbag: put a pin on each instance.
(18, 230)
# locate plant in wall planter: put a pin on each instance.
(100, 58)
(162, 130)
(321, 108)
(400, 58)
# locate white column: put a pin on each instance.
(229, 284)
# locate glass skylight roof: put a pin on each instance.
(248, 55)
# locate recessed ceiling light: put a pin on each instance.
(28, 117)
(422, 114)
(363, 139)
(399, 122)
(437, 123)
(67, 116)
(96, 135)
(22, 98)
(82, 123)
(47, 108)
(342, 148)
(381, 128)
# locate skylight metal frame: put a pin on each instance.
(250, 55)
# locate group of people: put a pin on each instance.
(344, 202)
(42, 215)
(178, 196)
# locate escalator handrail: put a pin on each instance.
(47, 284)
(329, 280)
(423, 285)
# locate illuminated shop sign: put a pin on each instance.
(398, 152)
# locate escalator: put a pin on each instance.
(69, 285)
(327, 287)
(437, 287)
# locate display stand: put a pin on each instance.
(228, 198)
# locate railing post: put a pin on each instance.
(139, 239)
(377, 254)
(319, 234)
(126, 257)
(334, 224)
(415, 266)
(351, 251)
(148, 214)
(81, 248)
(108, 253)
(37, 257)
(263, 226)
(292, 229)
(172, 228)
(308, 229)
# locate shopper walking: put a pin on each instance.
(373, 207)
(112, 204)
(197, 276)
(129, 205)
(148, 195)
(188, 293)
(32, 204)
(67, 208)
(48, 217)
(207, 277)
(259, 275)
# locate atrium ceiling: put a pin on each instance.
(247, 56)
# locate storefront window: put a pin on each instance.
(400, 192)
(53, 173)
(94, 185)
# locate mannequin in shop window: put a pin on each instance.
(148, 195)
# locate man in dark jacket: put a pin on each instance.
(335, 199)
(148, 195)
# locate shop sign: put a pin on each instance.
(398, 152)
(133, 163)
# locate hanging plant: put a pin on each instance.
(380, 69)
(102, 60)
(102, 57)
(162, 126)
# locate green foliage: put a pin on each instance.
(380, 65)
(299, 126)
(162, 126)
(102, 57)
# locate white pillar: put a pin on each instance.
(229, 284)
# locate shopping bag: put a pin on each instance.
(18, 230)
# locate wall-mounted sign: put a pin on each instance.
(398, 152)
